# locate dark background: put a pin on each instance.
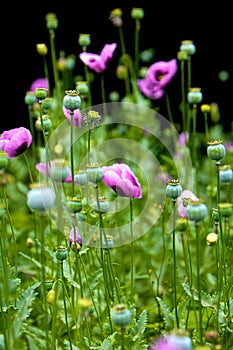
(163, 28)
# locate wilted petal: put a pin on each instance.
(98, 63)
(77, 116)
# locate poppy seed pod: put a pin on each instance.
(72, 100)
(94, 173)
(101, 206)
(44, 124)
(121, 315)
(107, 242)
(180, 341)
(216, 150)
(30, 98)
(215, 215)
(225, 173)
(40, 197)
(59, 171)
(137, 13)
(74, 204)
(188, 46)
(173, 189)
(194, 95)
(84, 39)
(82, 87)
(51, 21)
(41, 93)
(48, 284)
(196, 211)
(225, 209)
(81, 178)
(61, 253)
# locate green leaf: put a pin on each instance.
(206, 299)
(168, 316)
(140, 326)
(9, 282)
(24, 308)
(106, 345)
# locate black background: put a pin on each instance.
(163, 28)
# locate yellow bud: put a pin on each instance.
(211, 238)
(42, 49)
(205, 108)
(29, 242)
(51, 296)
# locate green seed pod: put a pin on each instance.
(94, 173)
(41, 93)
(225, 209)
(84, 40)
(121, 315)
(196, 211)
(194, 95)
(72, 100)
(188, 46)
(173, 189)
(216, 150)
(74, 204)
(61, 253)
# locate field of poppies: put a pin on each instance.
(116, 221)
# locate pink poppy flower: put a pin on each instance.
(188, 195)
(163, 344)
(183, 138)
(39, 83)
(75, 236)
(15, 141)
(157, 78)
(98, 63)
(56, 171)
(122, 180)
(77, 117)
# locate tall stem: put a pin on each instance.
(132, 249)
(72, 150)
(198, 254)
(174, 265)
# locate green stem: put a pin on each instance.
(43, 277)
(123, 50)
(103, 95)
(103, 235)
(64, 303)
(189, 72)
(131, 249)
(28, 167)
(174, 265)
(136, 47)
(198, 254)
(54, 62)
(72, 150)
(183, 97)
(194, 149)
